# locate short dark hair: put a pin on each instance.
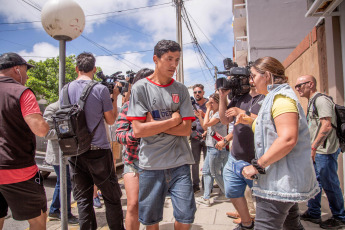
(86, 62)
(198, 86)
(145, 72)
(164, 46)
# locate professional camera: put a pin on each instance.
(110, 81)
(239, 78)
(130, 76)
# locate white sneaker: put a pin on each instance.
(201, 200)
(220, 199)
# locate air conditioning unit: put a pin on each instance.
(321, 8)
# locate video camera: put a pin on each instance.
(239, 78)
(110, 81)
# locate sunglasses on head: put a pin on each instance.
(195, 92)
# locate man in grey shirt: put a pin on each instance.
(161, 113)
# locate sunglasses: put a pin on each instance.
(299, 85)
(199, 92)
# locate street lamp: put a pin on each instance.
(64, 20)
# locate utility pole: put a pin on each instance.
(179, 3)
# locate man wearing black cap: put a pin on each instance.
(21, 185)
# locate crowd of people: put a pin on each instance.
(278, 155)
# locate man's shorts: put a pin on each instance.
(154, 186)
(234, 185)
(26, 199)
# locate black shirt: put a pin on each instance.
(243, 136)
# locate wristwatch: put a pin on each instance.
(260, 169)
(248, 113)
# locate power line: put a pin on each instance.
(204, 34)
(91, 15)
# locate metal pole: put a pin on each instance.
(63, 174)
(179, 76)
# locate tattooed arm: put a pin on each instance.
(325, 130)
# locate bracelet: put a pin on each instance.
(226, 141)
(260, 169)
(314, 149)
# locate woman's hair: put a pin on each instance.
(215, 97)
(273, 66)
(145, 72)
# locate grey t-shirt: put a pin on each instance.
(96, 104)
(325, 108)
(219, 128)
(161, 151)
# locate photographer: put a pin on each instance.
(197, 141)
(242, 147)
(96, 165)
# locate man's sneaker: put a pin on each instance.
(241, 227)
(196, 188)
(54, 216)
(307, 217)
(332, 223)
(220, 199)
(97, 202)
(202, 201)
(72, 220)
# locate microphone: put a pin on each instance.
(193, 103)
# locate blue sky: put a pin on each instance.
(129, 35)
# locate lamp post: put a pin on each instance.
(64, 20)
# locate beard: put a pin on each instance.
(198, 98)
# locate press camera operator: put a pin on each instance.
(244, 99)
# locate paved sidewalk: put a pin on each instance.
(206, 218)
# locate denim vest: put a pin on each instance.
(292, 178)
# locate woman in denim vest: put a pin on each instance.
(283, 165)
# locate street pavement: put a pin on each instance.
(206, 218)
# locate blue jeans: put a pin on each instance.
(213, 169)
(154, 186)
(326, 167)
(234, 185)
(55, 205)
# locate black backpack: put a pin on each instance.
(70, 124)
(340, 114)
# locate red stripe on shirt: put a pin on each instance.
(172, 81)
(189, 118)
(135, 118)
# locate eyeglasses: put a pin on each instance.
(299, 85)
(199, 92)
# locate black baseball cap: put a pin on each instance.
(8, 60)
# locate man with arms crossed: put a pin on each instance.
(96, 165)
(161, 113)
(21, 185)
(324, 152)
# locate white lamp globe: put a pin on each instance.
(63, 19)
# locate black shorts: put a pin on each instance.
(3, 206)
(26, 199)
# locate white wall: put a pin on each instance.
(276, 27)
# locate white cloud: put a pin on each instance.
(40, 51)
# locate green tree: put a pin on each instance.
(44, 78)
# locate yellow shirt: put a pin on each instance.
(281, 104)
